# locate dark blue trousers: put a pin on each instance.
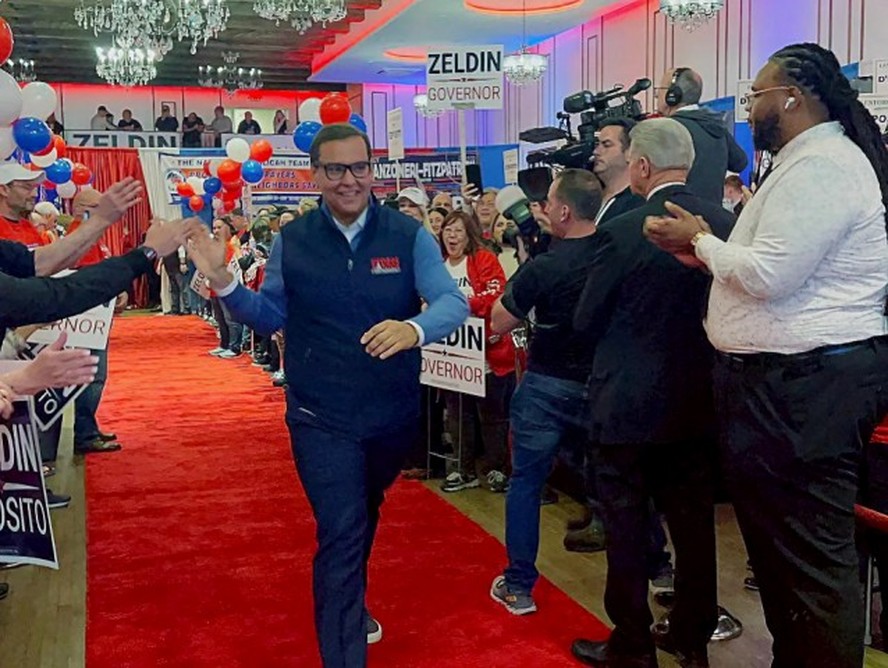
(345, 479)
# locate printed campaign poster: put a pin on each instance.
(49, 404)
(457, 362)
(88, 330)
(25, 526)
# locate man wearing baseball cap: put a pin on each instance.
(18, 196)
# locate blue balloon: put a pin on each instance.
(358, 121)
(31, 134)
(212, 185)
(305, 134)
(251, 171)
(59, 171)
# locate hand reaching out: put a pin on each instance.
(117, 200)
(54, 367)
(165, 236)
(6, 398)
(207, 253)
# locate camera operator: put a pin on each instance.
(652, 414)
(611, 165)
(717, 153)
(548, 406)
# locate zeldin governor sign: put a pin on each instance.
(465, 77)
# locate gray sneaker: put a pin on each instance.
(374, 631)
(517, 604)
(497, 482)
(456, 482)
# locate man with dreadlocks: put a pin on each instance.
(797, 314)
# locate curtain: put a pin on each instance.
(108, 167)
(155, 182)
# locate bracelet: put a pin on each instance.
(696, 238)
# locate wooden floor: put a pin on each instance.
(42, 622)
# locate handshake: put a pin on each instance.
(207, 253)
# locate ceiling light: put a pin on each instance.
(126, 67)
(691, 14)
(524, 67)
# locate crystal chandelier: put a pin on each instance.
(229, 77)
(421, 103)
(301, 13)
(21, 70)
(200, 20)
(126, 67)
(691, 14)
(524, 67)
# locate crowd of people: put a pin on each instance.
(667, 332)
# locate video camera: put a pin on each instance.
(594, 110)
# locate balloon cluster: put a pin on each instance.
(224, 179)
(23, 114)
(316, 113)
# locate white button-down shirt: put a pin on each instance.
(807, 262)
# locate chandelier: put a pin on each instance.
(126, 67)
(421, 103)
(301, 13)
(691, 14)
(151, 24)
(21, 70)
(524, 67)
(229, 77)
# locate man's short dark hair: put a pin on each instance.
(734, 181)
(581, 191)
(336, 132)
(626, 123)
(102, 108)
(691, 85)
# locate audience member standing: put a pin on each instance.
(128, 123)
(797, 313)
(221, 124)
(101, 120)
(192, 128)
(281, 124)
(248, 126)
(166, 122)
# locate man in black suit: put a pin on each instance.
(652, 413)
(610, 162)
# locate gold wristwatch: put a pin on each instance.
(697, 237)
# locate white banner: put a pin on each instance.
(878, 107)
(457, 362)
(465, 77)
(89, 329)
(111, 139)
(741, 100)
(395, 128)
(510, 166)
(880, 77)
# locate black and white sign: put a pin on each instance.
(744, 86)
(49, 403)
(457, 362)
(878, 107)
(25, 525)
(880, 77)
(89, 329)
(112, 139)
(395, 131)
(465, 77)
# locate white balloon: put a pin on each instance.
(7, 142)
(66, 190)
(238, 149)
(214, 166)
(310, 110)
(196, 183)
(10, 99)
(38, 100)
(44, 161)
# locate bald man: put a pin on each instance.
(678, 96)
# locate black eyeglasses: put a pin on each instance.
(336, 170)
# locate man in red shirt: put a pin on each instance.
(18, 196)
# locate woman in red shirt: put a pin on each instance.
(480, 277)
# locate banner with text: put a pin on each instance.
(457, 362)
(88, 330)
(432, 170)
(878, 107)
(469, 76)
(111, 139)
(25, 526)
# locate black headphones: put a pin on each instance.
(674, 93)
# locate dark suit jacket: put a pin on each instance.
(624, 202)
(642, 309)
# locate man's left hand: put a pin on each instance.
(388, 338)
(674, 233)
(118, 199)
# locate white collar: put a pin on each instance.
(356, 226)
(663, 187)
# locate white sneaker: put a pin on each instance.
(374, 631)
(216, 351)
(456, 482)
(228, 355)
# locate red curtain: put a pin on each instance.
(108, 167)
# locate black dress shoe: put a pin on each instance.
(597, 654)
(665, 641)
(107, 437)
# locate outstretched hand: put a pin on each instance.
(55, 366)
(117, 200)
(207, 253)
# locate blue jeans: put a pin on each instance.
(345, 479)
(546, 413)
(86, 428)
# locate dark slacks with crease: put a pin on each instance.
(679, 479)
(793, 432)
(345, 479)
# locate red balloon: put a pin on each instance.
(196, 203)
(233, 186)
(261, 150)
(335, 109)
(80, 174)
(58, 143)
(229, 171)
(184, 189)
(7, 41)
(228, 205)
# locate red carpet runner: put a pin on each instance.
(200, 539)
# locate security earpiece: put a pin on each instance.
(789, 102)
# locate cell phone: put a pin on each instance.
(473, 176)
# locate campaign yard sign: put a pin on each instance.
(469, 76)
(25, 526)
(49, 404)
(457, 362)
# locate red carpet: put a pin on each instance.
(200, 539)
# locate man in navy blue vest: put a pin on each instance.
(346, 283)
